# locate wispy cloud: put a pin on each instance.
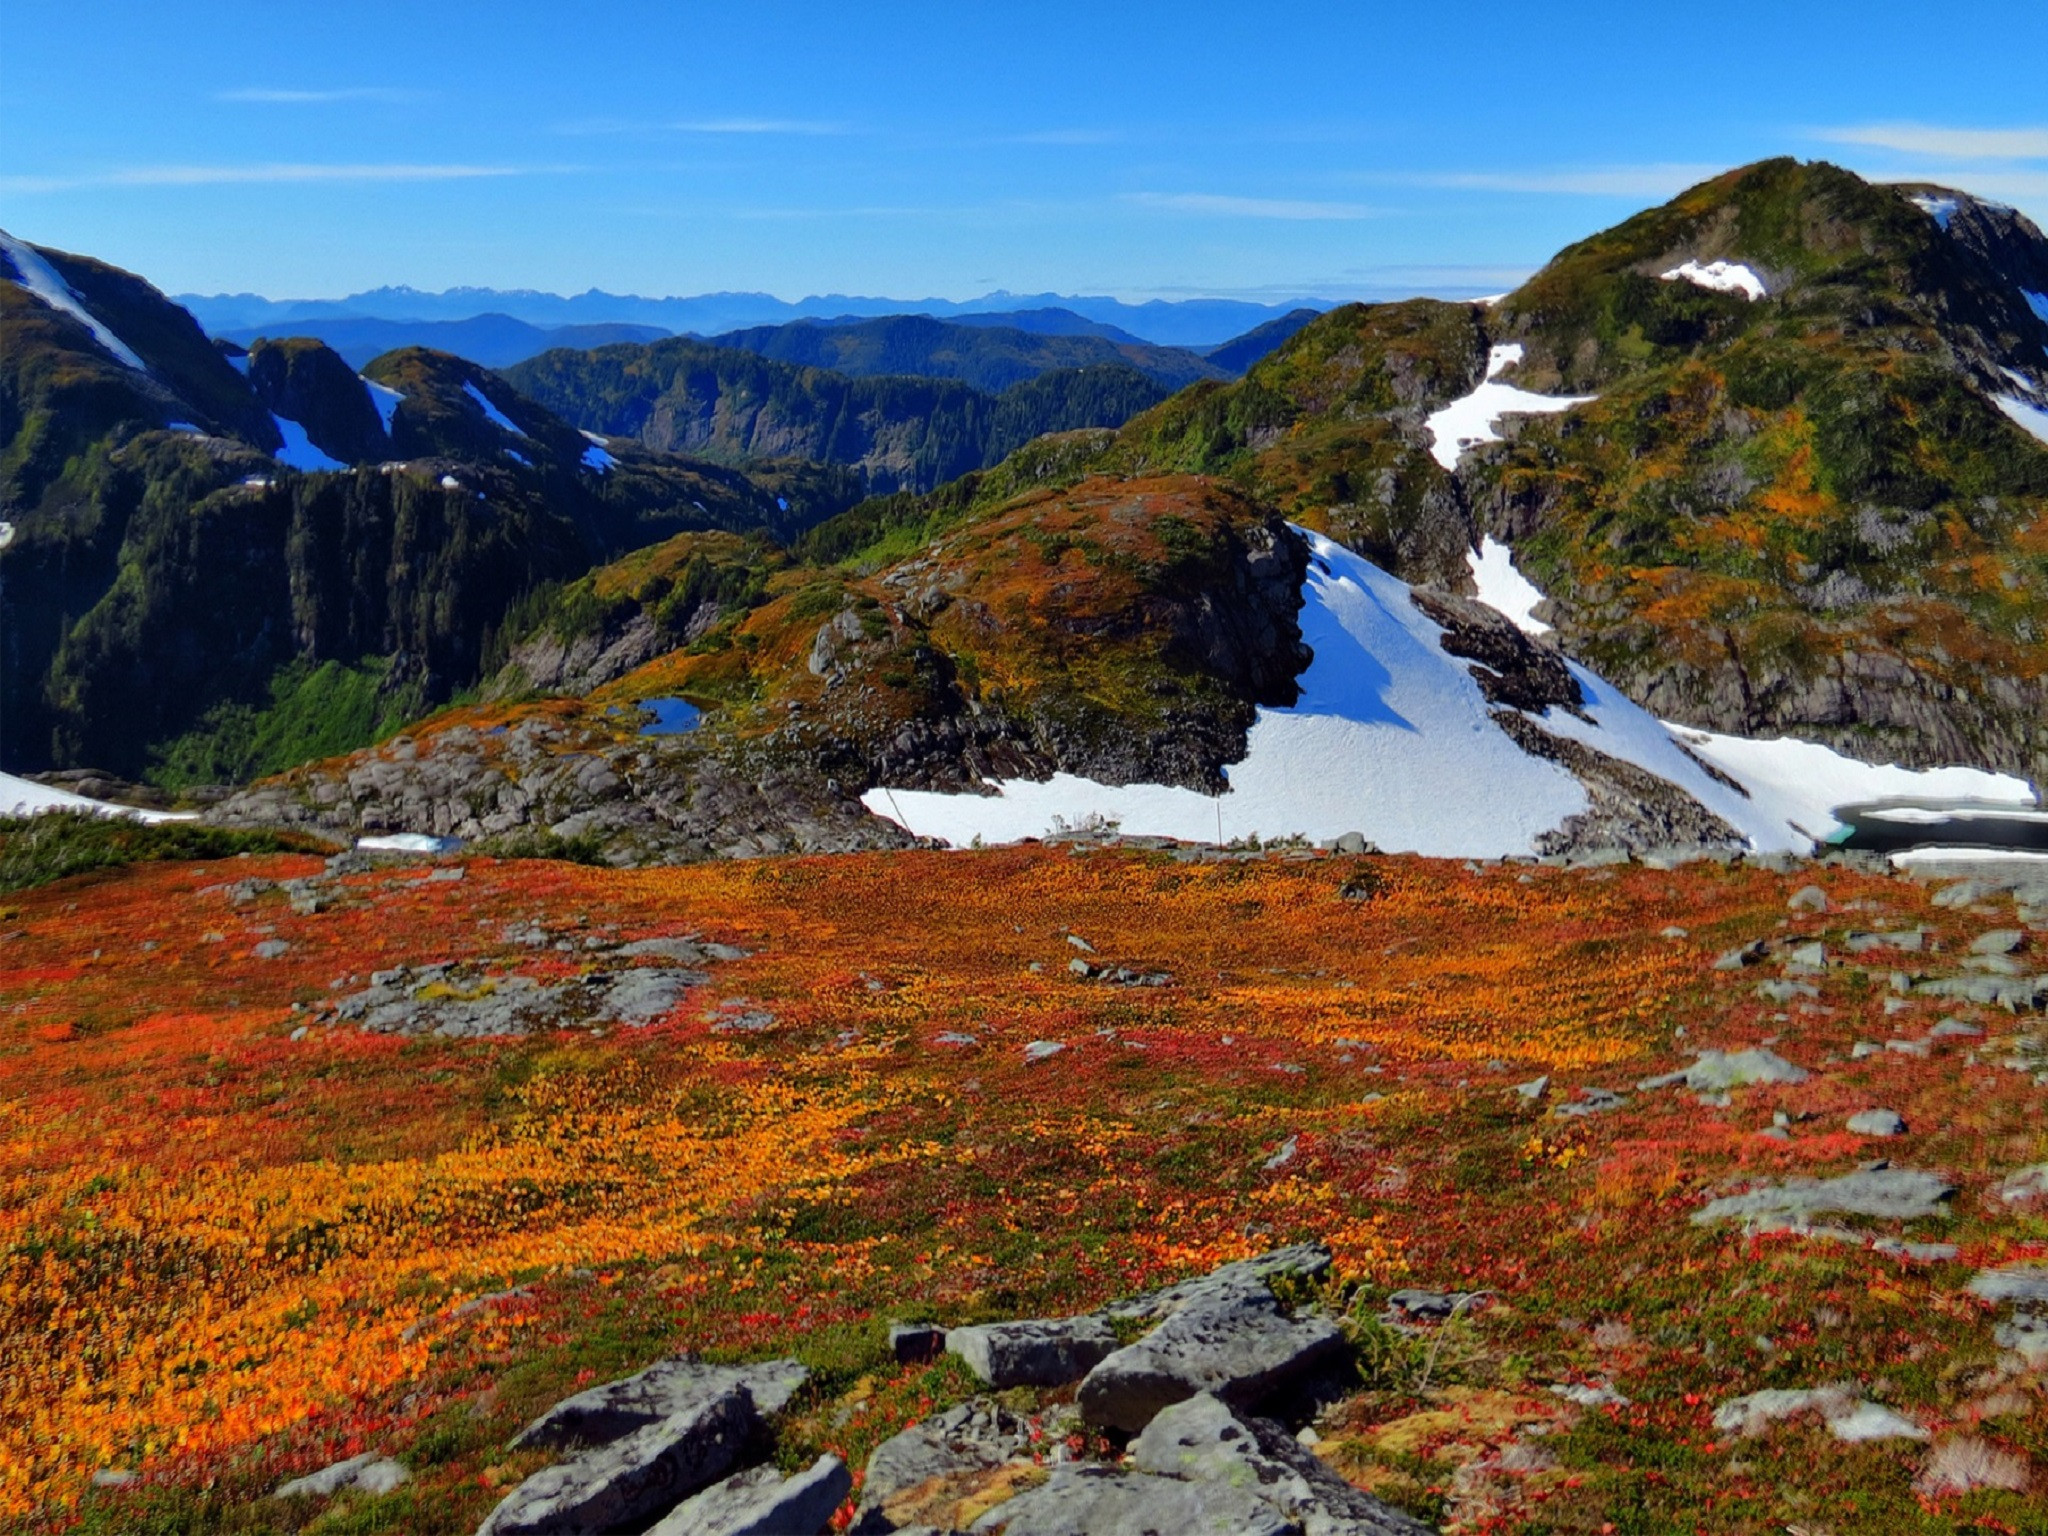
(787, 125)
(1948, 143)
(1065, 136)
(1250, 207)
(221, 175)
(268, 96)
(1660, 180)
(741, 126)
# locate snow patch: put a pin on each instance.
(595, 457)
(1503, 588)
(1470, 421)
(450, 483)
(1391, 737)
(2037, 302)
(2024, 414)
(299, 451)
(496, 417)
(1906, 858)
(1939, 209)
(385, 400)
(41, 279)
(1799, 783)
(25, 797)
(518, 458)
(1721, 276)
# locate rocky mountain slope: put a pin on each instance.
(1765, 452)
(227, 561)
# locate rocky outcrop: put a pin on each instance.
(680, 1448)
(543, 783)
(1225, 1334)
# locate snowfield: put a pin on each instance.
(1721, 276)
(298, 450)
(496, 417)
(596, 456)
(385, 400)
(42, 280)
(1392, 738)
(1503, 588)
(1474, 419)
(1939, 209)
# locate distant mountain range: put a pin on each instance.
(1197, 323)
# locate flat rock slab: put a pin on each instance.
(1847, 1415)
(668, 1387)
(1099, 1501)
(1718, 1071)
(762, 1502)
(1033, 1354)
(2024, 1284)
(973, 1437)
(634, 1479)
(1204, 1440)
(368, 1473)
(461, 1003)
(1896, 1194)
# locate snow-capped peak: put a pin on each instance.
(36, 274)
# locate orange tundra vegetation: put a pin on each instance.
(239, 1239)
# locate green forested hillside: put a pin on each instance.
(900, 433)
(989, 357)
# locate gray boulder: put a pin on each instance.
(1101, 1501)
(973, 1437)
(2023, 1284)
(762, 1502)
(1897, 1194)
(1203, 1440)
(1877, 1122)
(1033, 1354)
(367, 1473)
(1224, 1333)
(633, 1479)
(1718, 1071)
(667, 1387)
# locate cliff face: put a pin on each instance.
(203, 533)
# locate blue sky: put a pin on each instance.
(911, 149)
